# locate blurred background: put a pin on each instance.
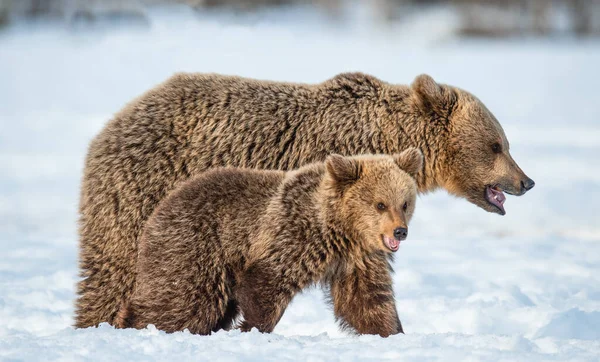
(485, 18)
(66, 66)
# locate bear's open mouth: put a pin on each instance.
(391, 243)
(495, 196)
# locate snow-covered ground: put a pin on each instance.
(469, 285)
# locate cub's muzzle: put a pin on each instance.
(400, 233)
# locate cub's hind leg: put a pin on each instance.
(177, 291)
(201, 311)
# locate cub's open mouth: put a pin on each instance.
(391, 243)
(495, 196)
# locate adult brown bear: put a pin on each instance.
(194, 122)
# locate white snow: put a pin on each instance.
(469, 285)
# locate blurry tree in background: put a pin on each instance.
(524, 17)
(485, 18)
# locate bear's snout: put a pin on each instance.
(400, 233)
(527, 185)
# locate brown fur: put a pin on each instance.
(194, 122)
(240, 240)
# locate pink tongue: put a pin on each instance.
(498, 196)
(392, 243)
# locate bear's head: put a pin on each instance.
(472, 158)
(372, 198)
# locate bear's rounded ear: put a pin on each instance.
(433, 97)
(411, 160)
(344, 170)
(426, 88)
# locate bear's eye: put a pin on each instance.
(496, 147)
(405, 206)
(381, 206)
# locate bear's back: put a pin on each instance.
(216, 209)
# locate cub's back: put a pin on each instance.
(214, 211)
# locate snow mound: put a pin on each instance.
(573, 323)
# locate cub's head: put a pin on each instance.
(372, 197)
(473, 157)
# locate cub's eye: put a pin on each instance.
(496, 147)
(381, 206)
(405, 206)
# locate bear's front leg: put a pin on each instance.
(262, 298)
(363, 298)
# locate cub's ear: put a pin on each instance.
(344, 170)
(410, 160)
(433, 97)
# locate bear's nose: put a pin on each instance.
(527, 184)
(400, 233)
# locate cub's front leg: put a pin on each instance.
(363, 298)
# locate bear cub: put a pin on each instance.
(234, 243)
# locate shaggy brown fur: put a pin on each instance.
(240, 240)
(194, 122)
